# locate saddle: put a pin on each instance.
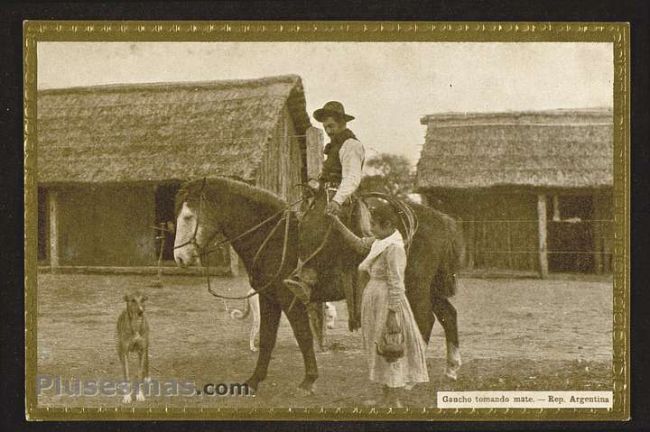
(355, 212)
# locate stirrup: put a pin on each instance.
(299, 288)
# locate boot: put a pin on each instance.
(300, 288)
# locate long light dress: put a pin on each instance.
(386, 289)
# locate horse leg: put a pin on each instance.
(270, 320)
(447, 316)
(299, 319)
(419, 299)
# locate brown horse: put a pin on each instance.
(430, 277)
(250, 217)
(232, 208)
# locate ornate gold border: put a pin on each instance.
(616, 33)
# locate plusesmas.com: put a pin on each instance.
(72, 386)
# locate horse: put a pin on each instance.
(434, 257)
(265, 235)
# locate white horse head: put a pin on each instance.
(186, 252)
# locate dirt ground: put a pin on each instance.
(515, 334)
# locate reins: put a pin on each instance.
(285, 241)
(407, 217)
(204, 252)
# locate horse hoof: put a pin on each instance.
(306, 389)
(451, 371)
(453, 357)
(451, 374)
(453, 363)
(305, 392)
(251, 388)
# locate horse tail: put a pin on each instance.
(451, 259)
(238, 314)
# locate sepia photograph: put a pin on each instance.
(405, 227)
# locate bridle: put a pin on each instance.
(205, 251)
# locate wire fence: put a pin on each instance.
(570, 244)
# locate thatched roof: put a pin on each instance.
(162, 131)
(551, 149)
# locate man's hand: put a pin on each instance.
(314, 184)
(332, 216)
(333, 208)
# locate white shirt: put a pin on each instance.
(352, 155)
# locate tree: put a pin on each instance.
(390, 174)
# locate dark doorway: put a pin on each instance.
(166, 218)
(42, 225)
(570, 234)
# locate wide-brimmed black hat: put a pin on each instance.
(332, 108)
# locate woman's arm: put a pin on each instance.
(360, 245)
(395, 262)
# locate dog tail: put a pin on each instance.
(238, 314)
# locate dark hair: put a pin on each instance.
(385, 215)
(338, 118)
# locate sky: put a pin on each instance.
(387, 86)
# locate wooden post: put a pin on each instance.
(541, 228)
(161, 236)
(511, 265)
(597, 233)
(314, 141)
(285, 156)
(471, 236)
(556, 208)
(53, 204)
(234, 262)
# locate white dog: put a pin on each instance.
(253, 306)
(330, 315)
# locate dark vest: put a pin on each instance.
(332, 169)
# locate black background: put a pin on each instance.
(12, 14)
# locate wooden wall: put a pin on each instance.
(282, 167)
(101, 226)
(603, 231)
(501, 229)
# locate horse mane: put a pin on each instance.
(190, 190)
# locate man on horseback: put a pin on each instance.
(345, 156)
(340, 178)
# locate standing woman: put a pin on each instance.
(384, 303)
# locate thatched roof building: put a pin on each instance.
(114, 157)
(533, 190)
(162, 131)
(551, 149)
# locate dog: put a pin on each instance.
(330, 315)
(252, 305)
(133, 336)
